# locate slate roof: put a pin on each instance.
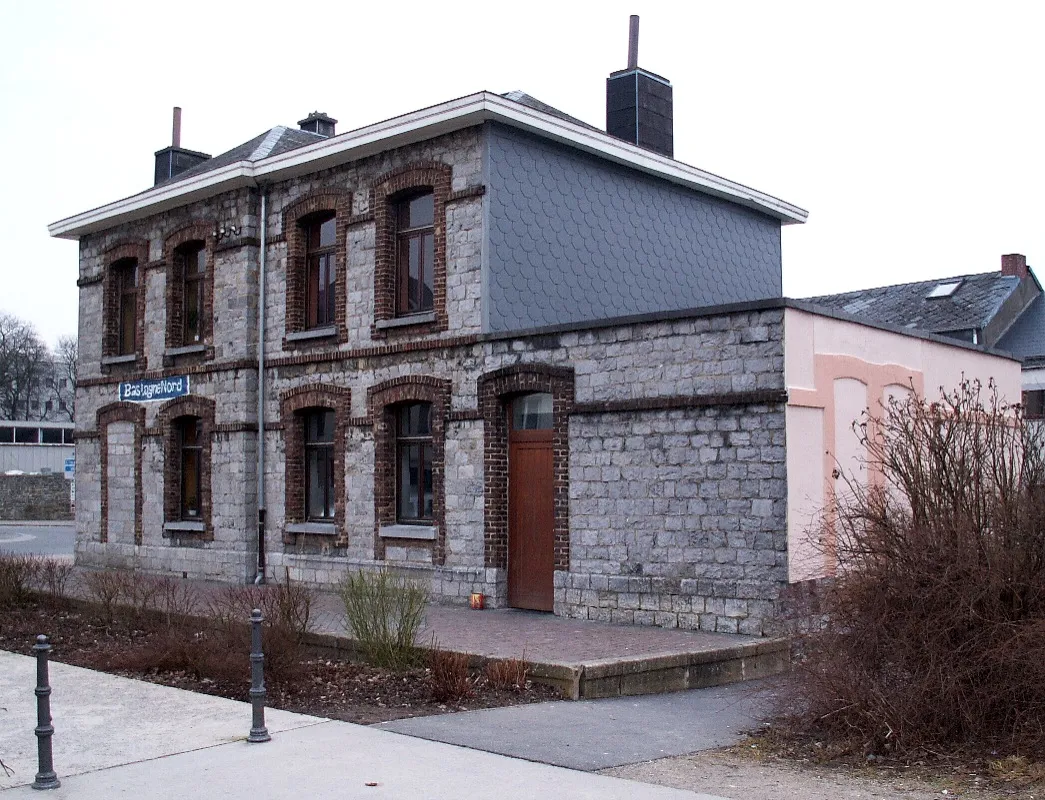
(271, 143)
(282, 139)
(532, 102)
(972, 305)
(1026, 338)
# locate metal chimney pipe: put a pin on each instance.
(633, 42)
(176, 135)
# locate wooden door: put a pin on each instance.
(531, 509)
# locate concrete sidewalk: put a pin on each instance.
(116, 737)
(598, 734)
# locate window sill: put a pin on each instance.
(314, 528)
(187, 350)
(184, 526)
(109, 361)
(423, 532)
(313, 333)
(403, 322)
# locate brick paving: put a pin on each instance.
(511, 633)
(538, 636)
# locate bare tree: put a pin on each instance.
(24, 360)
(62, 374)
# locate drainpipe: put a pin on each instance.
(260, 577)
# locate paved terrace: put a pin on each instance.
(583, 658)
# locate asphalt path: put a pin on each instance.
(597, 734)
(38, 538)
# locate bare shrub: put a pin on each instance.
(933, 631)
(384, 612)
(139, 594)
(53, 578)
(450, 677)
(105, 588)
(287, 610)
(18, 575)
(508, 674)
(176, 600)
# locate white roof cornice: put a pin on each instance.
(410, 128)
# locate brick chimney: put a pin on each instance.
(1015, 264)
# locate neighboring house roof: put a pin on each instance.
(1026, 338)
(971, 305)
(292, 155)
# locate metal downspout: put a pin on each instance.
(260, 577)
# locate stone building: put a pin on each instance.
(485, 343)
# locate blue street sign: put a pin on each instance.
(150, 390)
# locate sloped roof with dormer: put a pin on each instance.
(972, 304)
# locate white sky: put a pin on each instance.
(909, 130)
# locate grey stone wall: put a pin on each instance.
(678, 518)
(676, 514)
(34, 497)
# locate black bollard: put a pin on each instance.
(258, 731)
(45, 778)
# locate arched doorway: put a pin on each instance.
(531, 502)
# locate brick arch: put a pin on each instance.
(137, 249)
(382, 400)
(105, 416)
(292, 403)
(166, 417)
(433, 175)
(340, 202)
(197, 232)
(495, 391)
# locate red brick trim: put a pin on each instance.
(139, 251)
(436, 176)
(381, 402)
(292, 403)
(340, 202)
(106, 415)
(166, 417)
(495, 390)
(202, 232)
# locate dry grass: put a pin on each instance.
(509, 674)
(451, 678)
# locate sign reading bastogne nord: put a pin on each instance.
(150, 390)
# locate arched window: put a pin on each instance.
(126, 278)
(320, 284)
(414, 456)
(319, 464)
(192, 265)
(189, 433)
(415, 254)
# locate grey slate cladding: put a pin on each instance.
(575, 239)
(972, 305)
(1026, 338)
